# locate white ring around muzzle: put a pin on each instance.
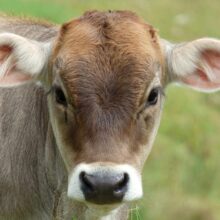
(134, 190)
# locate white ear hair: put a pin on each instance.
(190, 63)
(27, 56)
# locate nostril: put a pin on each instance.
(104, 188)
(87, 183)
(121, 186)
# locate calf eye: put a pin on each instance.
(153, 97)
(60, 97)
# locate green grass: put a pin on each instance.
(182, 175)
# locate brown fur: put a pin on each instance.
(108, 63)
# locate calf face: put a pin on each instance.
(106, 103)
(106, 73)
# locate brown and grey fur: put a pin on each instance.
(107, 63)
(32, 172)
(106, 75)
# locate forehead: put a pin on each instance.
(108, 51)
(122, 29)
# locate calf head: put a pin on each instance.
(106, 73)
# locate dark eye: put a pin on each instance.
(153, 97)
(60, 97)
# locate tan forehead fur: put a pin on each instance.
(122, 27)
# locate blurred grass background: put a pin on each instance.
(182, 175)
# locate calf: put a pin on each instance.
(80, 106)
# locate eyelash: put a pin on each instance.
(151, 100)
(59, 100)
(153, 97)
(60, 96)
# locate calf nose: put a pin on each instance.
(103, 188)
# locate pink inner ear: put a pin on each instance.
(4, 52)
(201, 82)
(14, 78)
(200, 79)
(212, 58)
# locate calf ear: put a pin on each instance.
(21, 59)
(196, 63)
